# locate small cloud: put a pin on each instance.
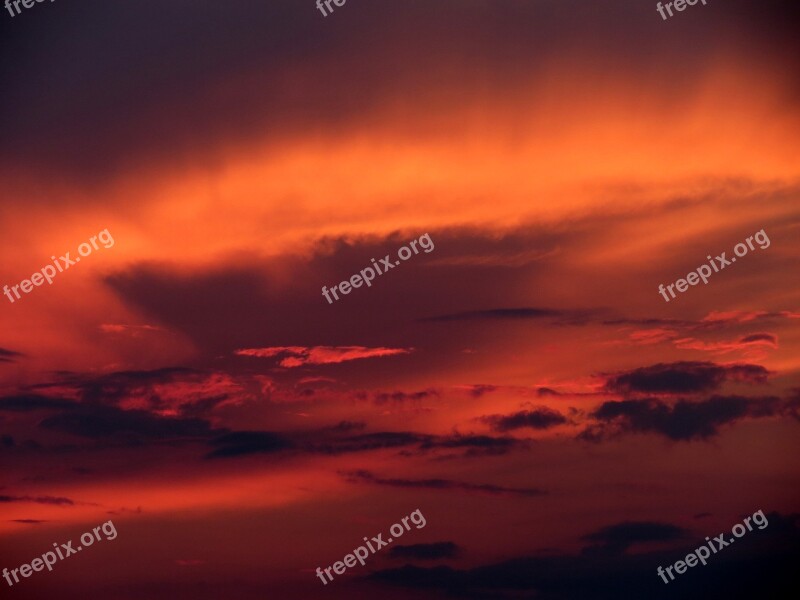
(440, 484)
(296, 356)
(52, 500)
(539, 418)
(9, 355)
(28, 521)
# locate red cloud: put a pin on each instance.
(320, 355)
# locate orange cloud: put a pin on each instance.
(320, 355)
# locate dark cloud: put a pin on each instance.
(108, 422)
(370, 441)
(763, 567)
(478, 390)
(241, 443)
(476, 445)
(616, 539)
(760, 337)
(32, 402)
(440, 484)
(400, 397)
(433, 551)
(52, 500)
(76, 83)
(682, 377)
(682, 421)
(8, 355)
(27, 521)
(545, 391)
(538, 418)
(110, 387)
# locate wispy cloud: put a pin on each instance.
(296, 356)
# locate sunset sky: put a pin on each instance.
(562, 428)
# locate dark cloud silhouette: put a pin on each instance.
(110, 387)
(538, 418)
(682, 421)
(616, 539)
(682, 377)
(32, 402)
(545, 391)
(440, 484)
(386, 397)
(760, 337)
(478, 390)
(8, 355)
(433, 551)
(52, 500)
(477, 445)
(240, 443)
(370, 441)
(108, 422)
(27, 521)
(762, 567)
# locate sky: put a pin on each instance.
(562, 426)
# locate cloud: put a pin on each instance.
(616, 539)
(320, 355)
(538, 418)
(27, 521)
(682, 377)
(768, 338)
(32, 402)
(432, 551)
(370, 441)
(478, 390)
(8, 355)
(761, 568)
(476, 445)
(682, 421)
(440, 484)
(240, 443)
(52, 500)
(400, 397)
(105, 422)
